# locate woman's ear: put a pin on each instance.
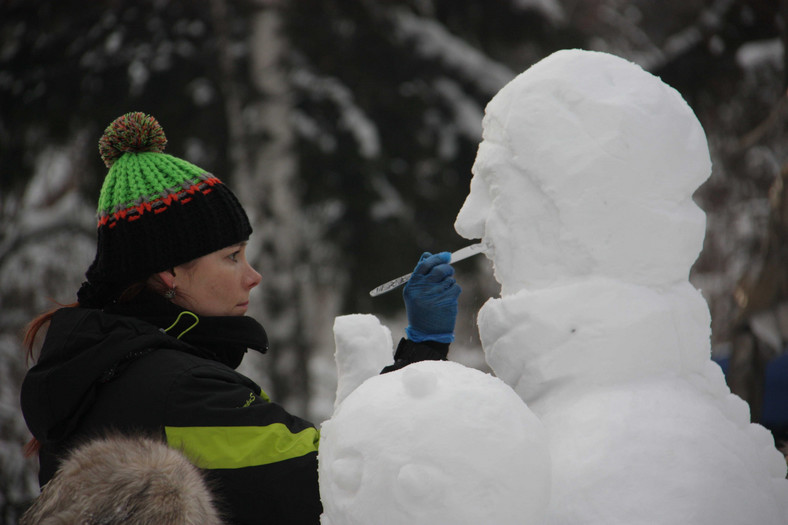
(167, 278)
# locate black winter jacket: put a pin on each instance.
(146, 368)
(100, 372)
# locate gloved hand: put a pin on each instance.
(431, 299)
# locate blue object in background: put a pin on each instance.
(774, 412)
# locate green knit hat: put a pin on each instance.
(155, 211)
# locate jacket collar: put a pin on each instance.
(224, 339)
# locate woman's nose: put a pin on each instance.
(253, 277)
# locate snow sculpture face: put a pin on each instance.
(587, 166)
(435, 442)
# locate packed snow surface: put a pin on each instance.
(363, 348)
(433, 443)
(614, 412)
(587, 168)
(583, 186)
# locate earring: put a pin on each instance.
(170, 294)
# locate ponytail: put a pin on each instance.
(33, 446)
(37, 324)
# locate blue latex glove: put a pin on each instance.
(431, 299)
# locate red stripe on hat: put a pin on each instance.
(160, 204)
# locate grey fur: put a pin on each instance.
(122, 480)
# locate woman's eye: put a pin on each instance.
(234, 256)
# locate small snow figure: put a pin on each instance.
(435, 443)
(363, 349)
(583, 186)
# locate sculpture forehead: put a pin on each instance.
(583, 114)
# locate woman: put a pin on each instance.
(152, 344)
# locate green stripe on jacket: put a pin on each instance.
(239, 447)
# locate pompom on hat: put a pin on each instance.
(155, 211)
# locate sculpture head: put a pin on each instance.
(587, 166)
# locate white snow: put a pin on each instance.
(352, 118)
(583, 184)
(550, 9)
(432, 40)
(754, 54)
(363, 348)
(433, 443)
(599, 165)
(583, 188)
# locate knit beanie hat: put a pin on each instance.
(155, 211)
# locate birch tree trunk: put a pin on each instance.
(284, 258)
(295, 310)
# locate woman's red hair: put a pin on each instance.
(31, 332)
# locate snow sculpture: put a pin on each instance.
(582, 185)
(433, 443)
(362, 348)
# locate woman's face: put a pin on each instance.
(216, 284)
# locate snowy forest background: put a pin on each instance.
(348, 128)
